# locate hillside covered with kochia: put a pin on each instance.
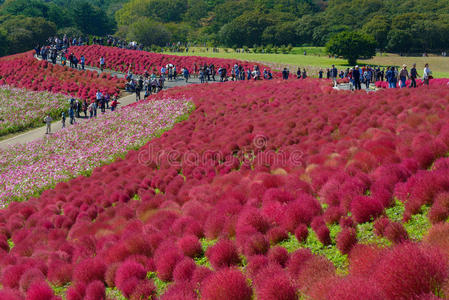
(273, 189)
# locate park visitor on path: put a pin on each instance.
(356, 77)
(403, 75)
(413, 76)
(102, 63)
(334, 74)
(48, 121)
(427, 74)
(63, 119)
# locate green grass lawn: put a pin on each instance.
(316, 59)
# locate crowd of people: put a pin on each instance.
(367, 75)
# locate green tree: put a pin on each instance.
(179, 32)
(69, 31)
(3, 42)
(25, 32)
(91, 20)
(378, 27)
(352, 45)
(245, 30)
(30, 8)
(197, 9)
(148, 32)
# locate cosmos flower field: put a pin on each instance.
(268, 190)
(29, 168)
(21, 109)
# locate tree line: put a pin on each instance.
(408, 26)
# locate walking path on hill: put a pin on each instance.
(129, 98)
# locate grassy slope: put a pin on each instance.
(439, 65)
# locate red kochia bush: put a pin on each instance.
(127, 276)
(89, 270)
(95, 291)
(223, 254)
(226, 284)
(11, 275)
(323, 235)
(364, 259)
(396, 233)
(29, 277)
(301, 233)
(438, 236)
(144, 290)
(276, 235)
(166, 260)
(409, 270)
(277, 287)
(183, 271)
(380, 224)
(365, 208)
(9, 294)
(278, 255)
(190, 246)
(40, 291)
(297, 261)
(346, 239)
(353, 288)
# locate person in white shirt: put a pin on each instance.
(48, 121)
(101, 63)
(426, 74)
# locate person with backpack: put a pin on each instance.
(413, 76)
(403, 75)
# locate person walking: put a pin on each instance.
(334, 74)
(94, 108)
(48, 121)
(102, 63)
(367, 77)
(298, 73)
(403, 75)
(85, 105)
(185, 73)
(356, 78)
(427, 74)
(304, 74)
(91, 110)
(83, 62)
(286, 73)
(320, 74)
(413, 76)
(63, 119)
(72, 116)
(389, 77)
